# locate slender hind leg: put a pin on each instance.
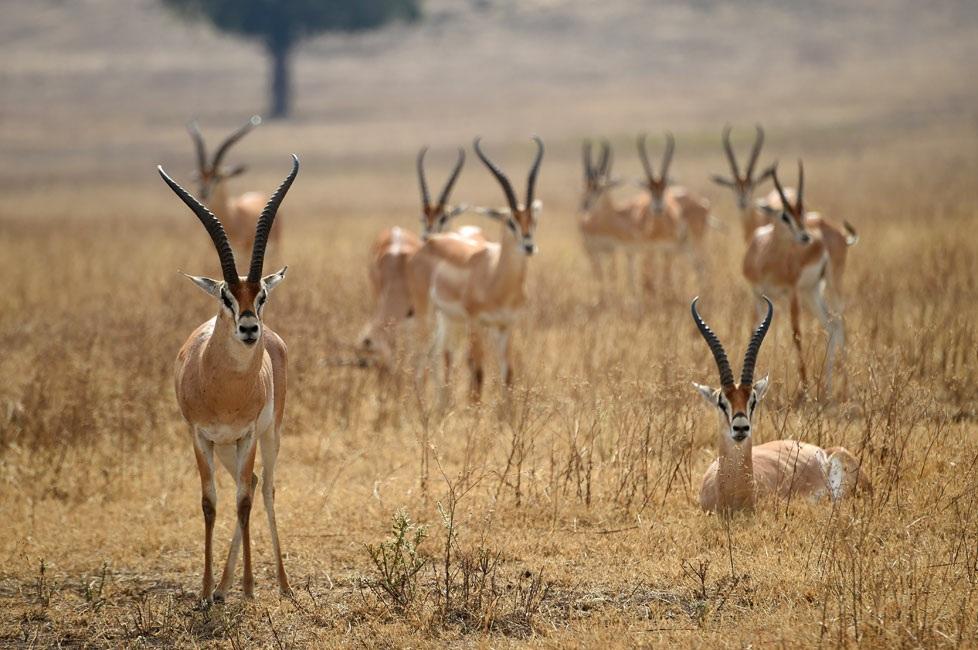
(796, 337)
(475, 360)
(269, 455)
(834, 327)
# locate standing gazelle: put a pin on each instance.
(785, 258)
(387, 269)
(672, 215)
(239, 214)
(479, 283)
(743, 471)
(230, 384)
(751, 217)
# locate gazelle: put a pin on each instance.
(230, 383)
(387, 269)
(671, 215)
(782, 469)
(239, 213)
(754, 215)
(480, 284)
(751, 217)
(606, 226)
(786, 258)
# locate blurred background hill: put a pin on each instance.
(85, 73)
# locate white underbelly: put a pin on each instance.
(223, 434)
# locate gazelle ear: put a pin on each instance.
(765, 207)
(208, 286)
(493, 213)
(709, 394)
(760, 387)
(536, 207)
(271, 281)
(457, 210)
(720, 180)
(237, 170)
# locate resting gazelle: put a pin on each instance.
(743, 472)
(230, 380)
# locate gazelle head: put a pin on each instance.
(735, 402)
(241, 299)
(656, 187)
(790, 215)
(743, 185)
(597, 178)
(210, 173)
(521, 219)
(435, 216)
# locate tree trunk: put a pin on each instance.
(280, 86)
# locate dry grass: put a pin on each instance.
(573, 520)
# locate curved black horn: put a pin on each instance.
(233, 138)
(199, 146)
(801, 188)
(667, 156)
(755, 152)
(730, 152)
(265, 223)
(726, 374)
(425, 197)
(607, 156)
(750, 357)
(447, 191)
(588, 170)
(500, 176)
(531, 180)
(213, 226)
(644, 156)
(785, 205)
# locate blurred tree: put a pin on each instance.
(281, 24)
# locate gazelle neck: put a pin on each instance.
(511, 268)
(750, 220)
(224, 356)
(735, 478)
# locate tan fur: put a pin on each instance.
(240, 214)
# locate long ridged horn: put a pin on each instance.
(750, 357)
(726, 374)
(607, 156)
(425, 197)
(730, 152)
(194, 129)
(644, 157)
(265, 223)
(755, 152)
(785, 205)
(588, 170)
(531, 180)
(447, 190)
(667, 157)
(213, 226)
(801, 188)
(500, 176)
(232, 139)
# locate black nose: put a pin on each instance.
(740, 432)
(251, 330)
(367, 343)
(528, 248)
(805, 238)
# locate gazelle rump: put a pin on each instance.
(388, 270)
(238, 214)
(786, 258)
(743, 472)
(478, 284)
(230, 380)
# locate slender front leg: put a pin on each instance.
(503, 353)
(796, 336)
(229, 459)
(204, 451)
(246, 466)
(269, 454)
(476, 372)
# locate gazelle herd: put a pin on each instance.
(461, 291)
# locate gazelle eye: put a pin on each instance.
(227, 302)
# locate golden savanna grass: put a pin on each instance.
(569, 520)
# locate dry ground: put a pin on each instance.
(573, 519)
